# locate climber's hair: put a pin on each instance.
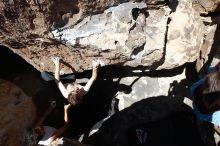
(212, 82)
(74, 99)
(211, 90)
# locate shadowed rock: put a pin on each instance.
(17, 113)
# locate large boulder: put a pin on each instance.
(115, 31)
(17, 114)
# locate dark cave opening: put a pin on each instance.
(12, 63)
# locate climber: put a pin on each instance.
(46, 135)
(74, 92)
(206, 97)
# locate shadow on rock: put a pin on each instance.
(164, 121)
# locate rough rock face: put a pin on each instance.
(205, 6)
(122, 32)
(15, 117)
(210, 47)
(206, 47)
(115, 31)
(185, 36)
(145, 87)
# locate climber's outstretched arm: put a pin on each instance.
(56, 61)
(95, 66)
